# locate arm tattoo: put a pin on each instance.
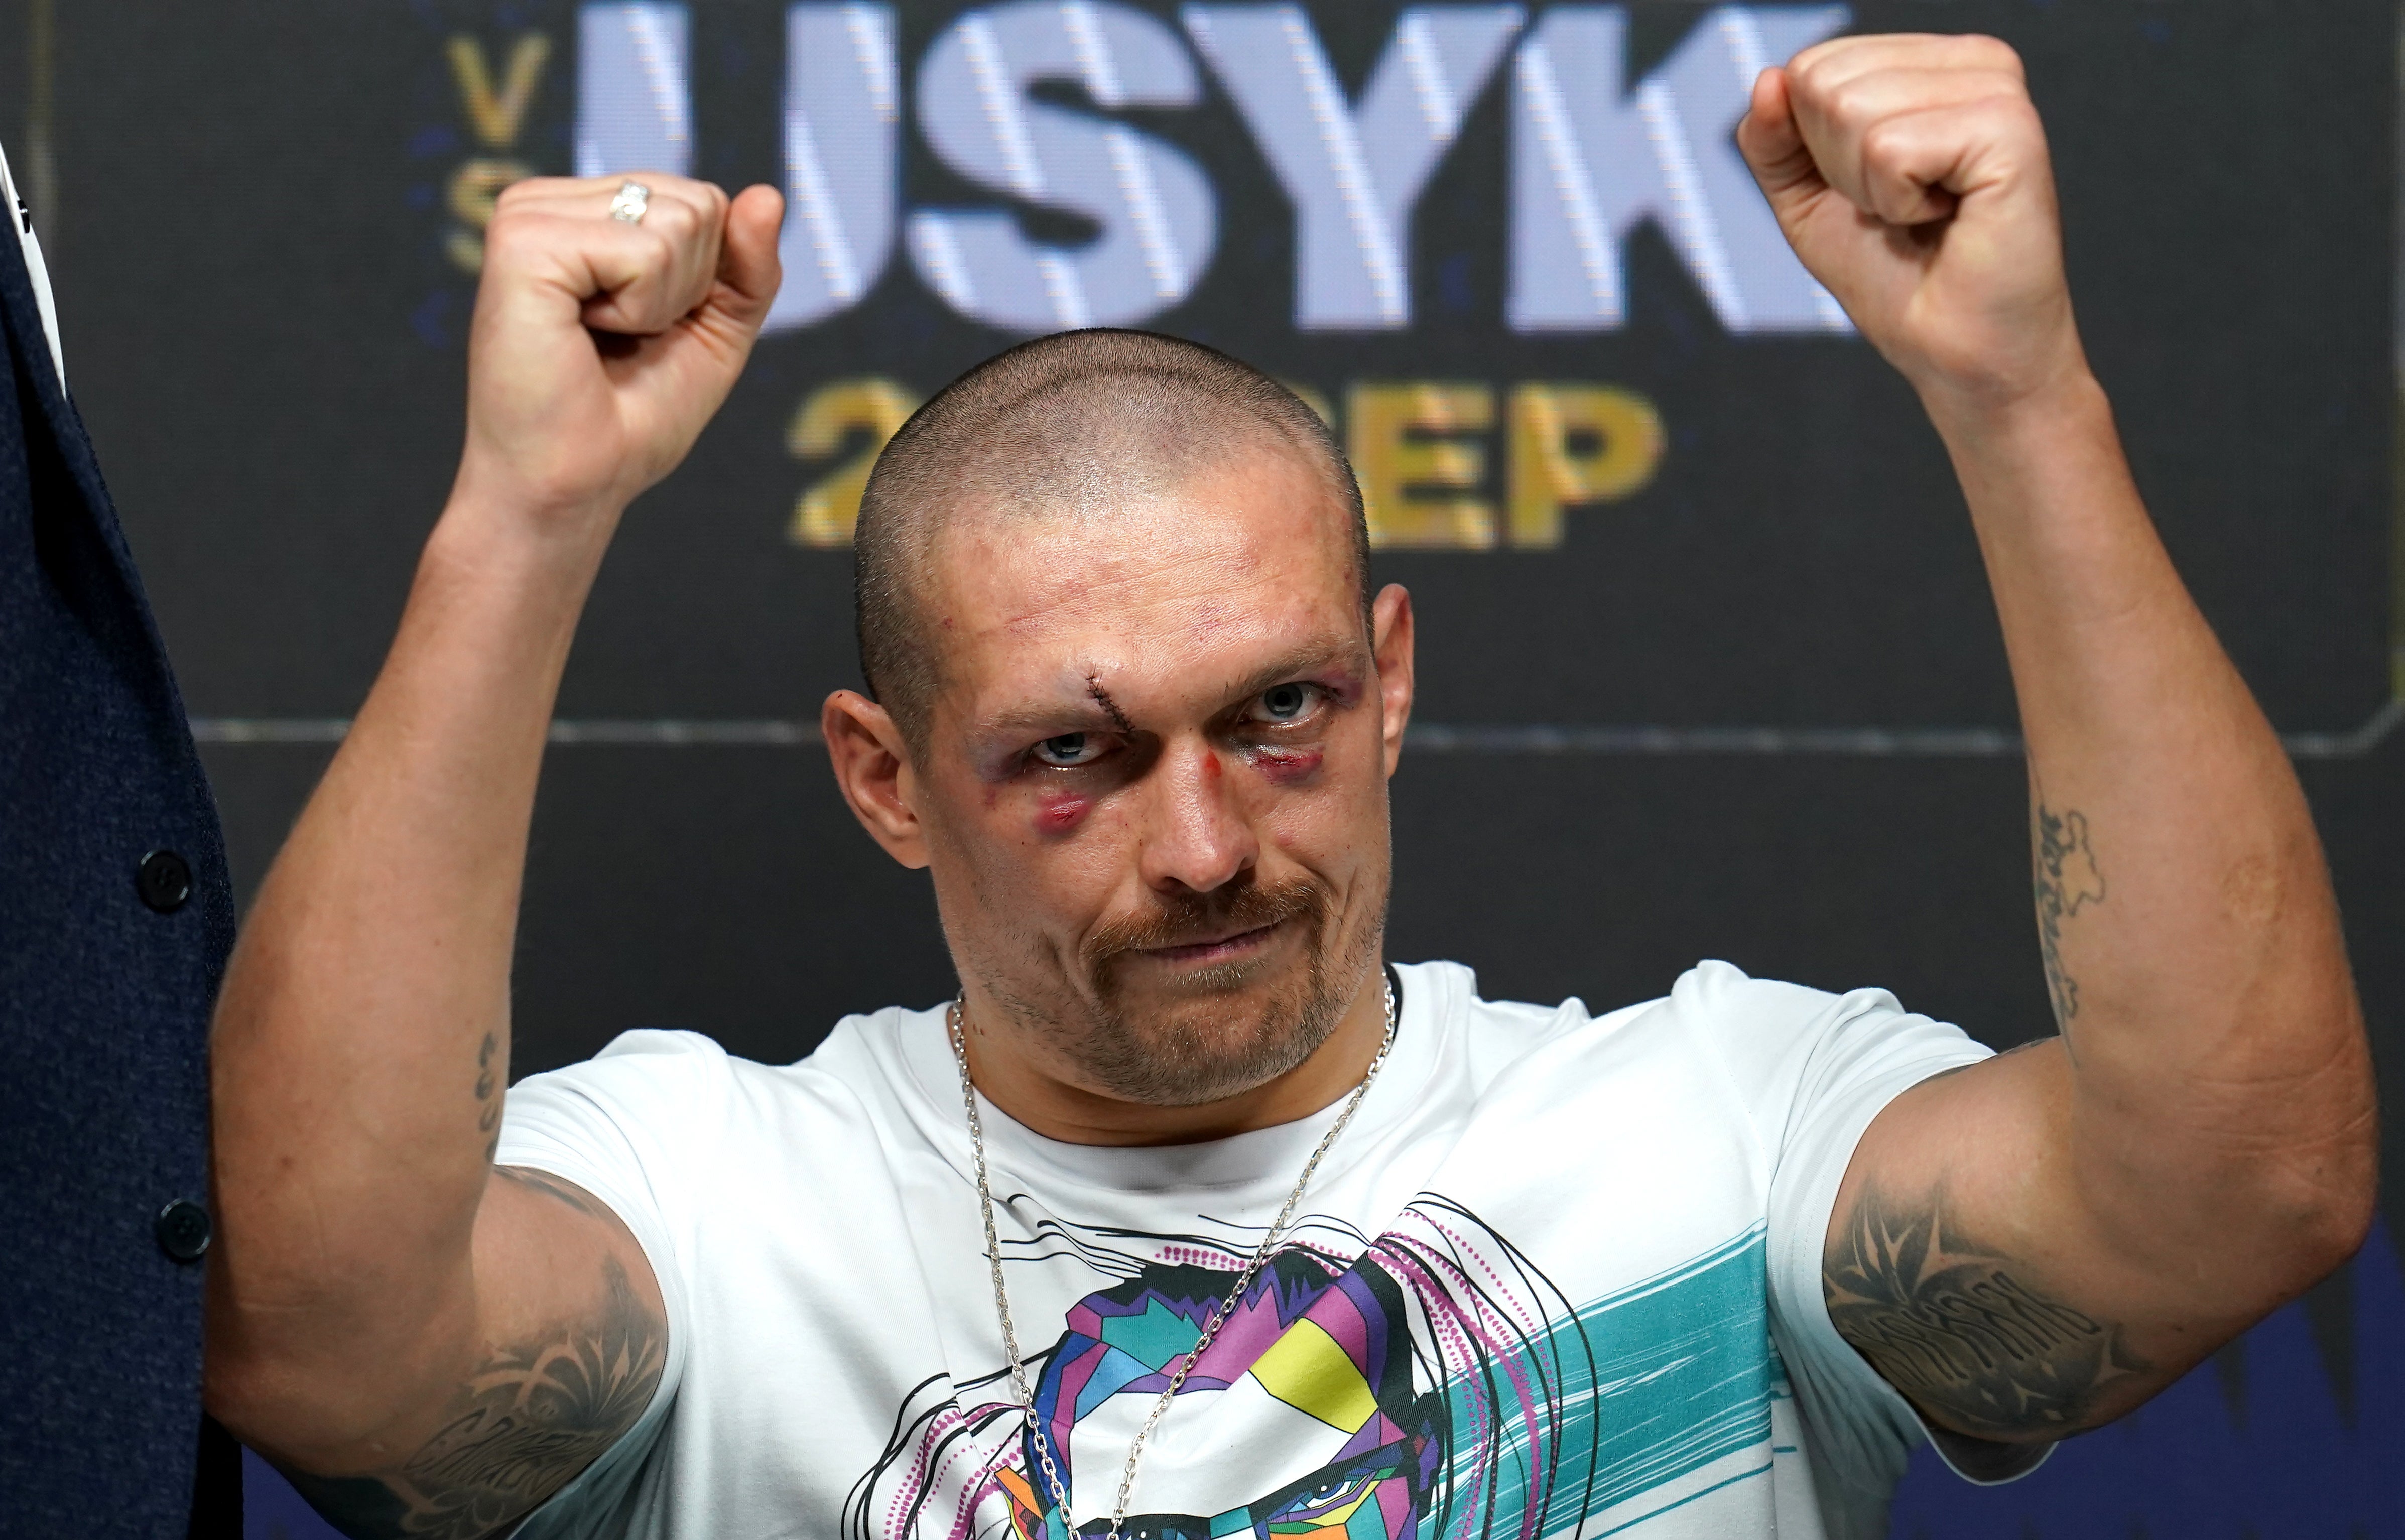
(489, 1113)
(2067, 880)
(518, 1432)
(1947, 1323)
(566, 1192)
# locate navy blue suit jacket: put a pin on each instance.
(114, 921)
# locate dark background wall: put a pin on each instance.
(1754, 707)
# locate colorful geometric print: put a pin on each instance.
(1301, 1364)
(1431, 1385)
(1653, 1384)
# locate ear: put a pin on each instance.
(1391, 640)
(872, 766)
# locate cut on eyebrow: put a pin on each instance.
(1068, 714)
(1095, 711)
(1102, 698)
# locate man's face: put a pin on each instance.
(1153, 787)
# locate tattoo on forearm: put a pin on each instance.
(1953, 1327)
(488, 1114)
(2067, 881)
(534, 1417)
(486, 1084)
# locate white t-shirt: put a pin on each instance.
(1560, 1277)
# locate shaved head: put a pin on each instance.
(1073, 425)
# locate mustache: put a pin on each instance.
(1183, 921)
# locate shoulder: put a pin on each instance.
(1711, 1000)
(685, 1084)
(1766, 1024)
(1764, 1042)
(650, 1072)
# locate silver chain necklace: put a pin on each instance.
(955, 1027)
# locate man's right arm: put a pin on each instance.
(428, 1344)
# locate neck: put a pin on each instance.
(1038, 1098)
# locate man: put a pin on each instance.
(114, 921)
(1191, 1218)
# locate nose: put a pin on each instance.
(1197, 837)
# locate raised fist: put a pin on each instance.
(602, 345)
(1911, 175)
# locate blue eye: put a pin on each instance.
(1069, 748)
(1286, 702)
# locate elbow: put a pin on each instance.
(2321, 1209)
(242, 1400)
(271, 1401)
(2342, 1177)
(299, 1413)
(263, 1406)
(323, 1381)
(2297, 1156)
(2346, 1217)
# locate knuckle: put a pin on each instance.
(2026, 127)
(1820, 53)
(667, 217)
(683, 192)
(1852, 108)
(1885, 143)
(507, 236)
(1996, 53)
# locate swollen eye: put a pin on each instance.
(1286, 702)
(1068, 749)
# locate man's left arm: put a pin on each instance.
(2037, 1244)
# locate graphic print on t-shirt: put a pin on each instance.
(1427, 1384)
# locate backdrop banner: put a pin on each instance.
(1709, 663)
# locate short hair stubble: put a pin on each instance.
(1076, 423)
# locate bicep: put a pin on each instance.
(571, 1340)
(1960, 1262)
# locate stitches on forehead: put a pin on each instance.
(1077, 425)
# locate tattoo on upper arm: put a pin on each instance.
(2067, 881)
(566, 1192)
(1952, 1325)
(534, 1417)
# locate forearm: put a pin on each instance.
(362, 1041)
(2220, 1084)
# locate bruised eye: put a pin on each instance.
(1286, 702)
(1069, 750)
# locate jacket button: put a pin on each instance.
(163, 881)
(183, 1230)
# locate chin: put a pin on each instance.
(1217, 1032)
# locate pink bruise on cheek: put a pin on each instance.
(1058, 812)
(1285, 766)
